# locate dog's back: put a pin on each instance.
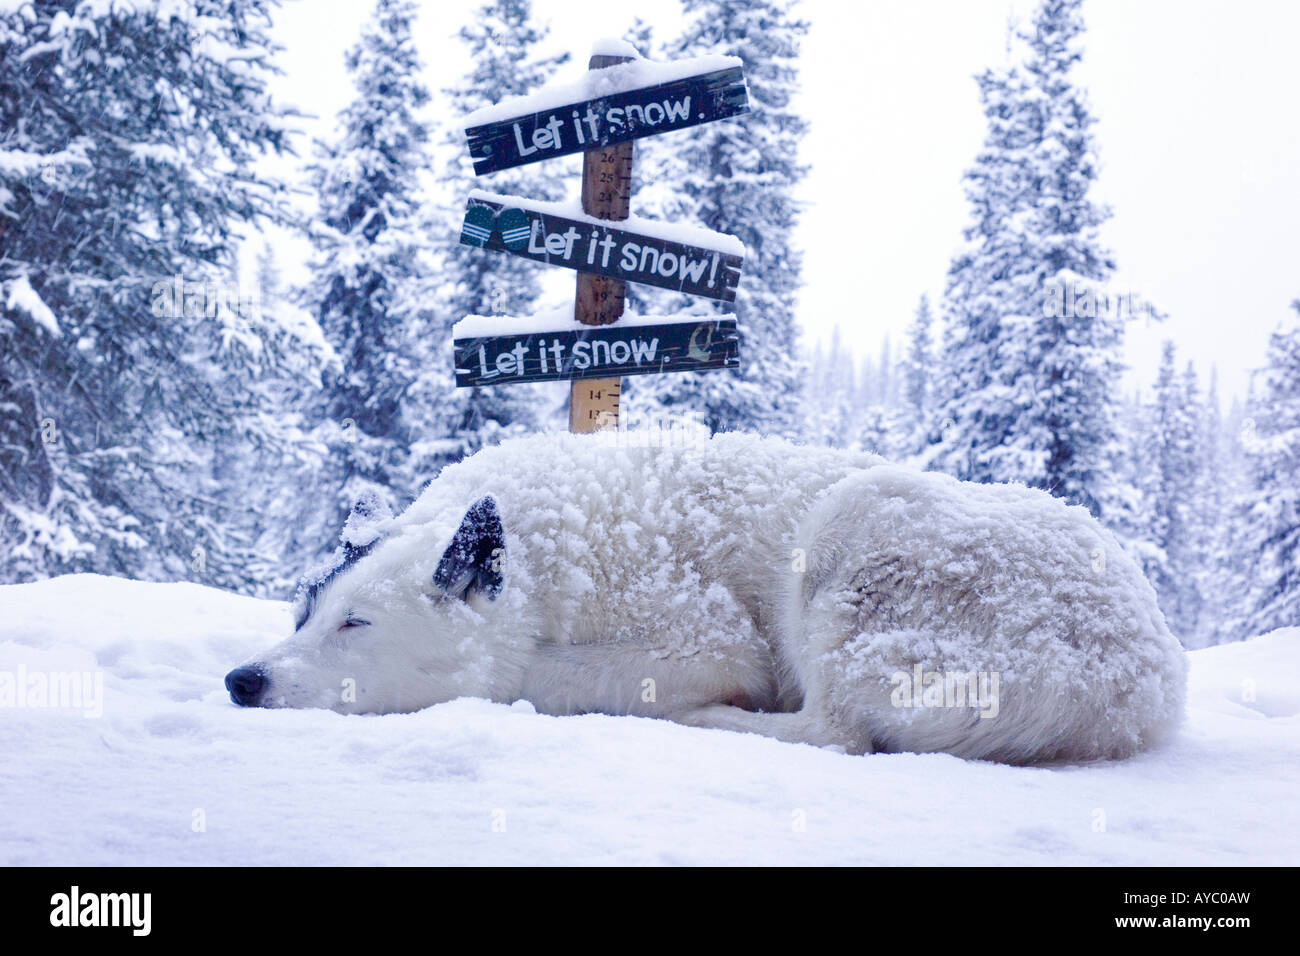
(987, 621)
(596, 513)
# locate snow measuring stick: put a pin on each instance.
(600, 300)
(622, 98)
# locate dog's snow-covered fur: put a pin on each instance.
(745, 584)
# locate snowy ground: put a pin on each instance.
(173, 773)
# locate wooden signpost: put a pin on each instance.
(605, 257)
(600, 299)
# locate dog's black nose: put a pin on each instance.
(245, 685)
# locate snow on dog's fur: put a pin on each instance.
(745, 584)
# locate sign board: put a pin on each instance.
(599, 248)
(621, 99)
(614, 118)
(598, 351)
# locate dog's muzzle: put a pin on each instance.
(246, 685)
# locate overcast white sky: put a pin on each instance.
(1199, 137)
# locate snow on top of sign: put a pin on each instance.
(559, 320)
(687, 235)
(592, 84)
(613, 46)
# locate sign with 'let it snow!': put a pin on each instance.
(595, 246)
(616, 117)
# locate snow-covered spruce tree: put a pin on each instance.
(1236, 571)
(501, 41)
(1130, 517)
(1205, 516)
(1271, 505)
(917, 371)
(367, 279)
(880, 424)
(877, 431)
(814, 421)
(1074, 366)
(831, 406)
(1218, 580)
(1033, 345)
(130, 139)
(846, 405)
(1172, 490)
(971, 432)
(738, 177)
(276, 356)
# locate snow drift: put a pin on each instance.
(174, 774)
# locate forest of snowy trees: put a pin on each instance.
(1019, 380)
(164, 417)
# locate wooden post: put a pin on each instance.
(606, 194)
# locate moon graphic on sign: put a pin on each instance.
(693, 350)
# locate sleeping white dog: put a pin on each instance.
(748, 584)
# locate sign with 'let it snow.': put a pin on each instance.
(616, 117)
(595, 246)
(596, 351)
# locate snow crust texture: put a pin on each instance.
(172, 773)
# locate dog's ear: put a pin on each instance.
(472, 563)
